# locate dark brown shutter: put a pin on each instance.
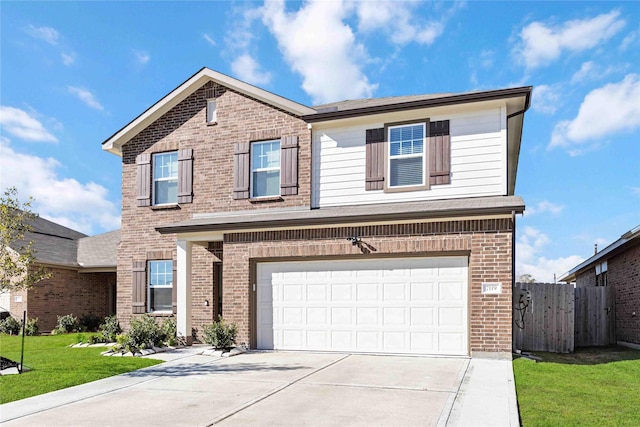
(241, 170)
(174, 289)
(289, 165)
(143, 180)
(439, 153)
(374, 175)
(185, 175)
(139, 287)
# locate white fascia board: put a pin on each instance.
(115, 142)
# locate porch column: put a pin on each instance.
(183, 301)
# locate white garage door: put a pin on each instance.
(410, 305)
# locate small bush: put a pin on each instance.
(145, 332)
(110, 328)
(31, 327)
(220, 334)
(90, 322)
(66, 324)
(10, 326)
(169, 330)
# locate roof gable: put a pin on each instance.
(115, 142)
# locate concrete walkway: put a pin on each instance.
(285, 388)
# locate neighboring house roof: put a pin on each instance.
(627, 240)
(59, 245)
(115, 142)
(290, 217)
(99, 251)
(52, 243)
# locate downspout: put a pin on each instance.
(513, 250)
(527, 104)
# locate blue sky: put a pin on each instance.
(73, 73)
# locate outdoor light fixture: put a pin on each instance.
(354, 240)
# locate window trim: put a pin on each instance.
(149, 286)
(154, 180)
(213, 101)
(252, 169)
(425, 160)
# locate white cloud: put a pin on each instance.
(209, 39)
(317, 44)
(247, 69)
(48, 34)
(68, 58)
(585, 72)
(85, 96)
(543, 207)
(541, 44)
(63, 200)
(398, 20)
(604, 111)
(23, 125)
(141, 56)
(530, 244)
(546, 99)
(629, 40)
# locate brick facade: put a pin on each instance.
(489, 250)
(66, 292)
(239, 119)
(624, 275)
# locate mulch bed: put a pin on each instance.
(6, 363)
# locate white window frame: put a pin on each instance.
(150, 286)
(407, 156)
(153, 175)
(254, 169)
(212, 117)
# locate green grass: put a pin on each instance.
(591, 387)
(54, 365)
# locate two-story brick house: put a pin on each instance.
(382, 225)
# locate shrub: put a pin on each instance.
(10, 326)
(67, 323)
(145, 333)
(220, 334)
(31, 328)
(110, 328)
(90, 322)
(169, 330)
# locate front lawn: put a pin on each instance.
(592, 387)
(54, 365)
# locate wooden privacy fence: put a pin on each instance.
(558, 318)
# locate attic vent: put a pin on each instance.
(327, 109)
(209, 93)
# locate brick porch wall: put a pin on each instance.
(623, 273)
(68, 292)
(489, 248)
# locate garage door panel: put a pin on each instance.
(413, 305)
(367, 292)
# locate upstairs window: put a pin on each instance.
(165, 178)
(601, 274)
(211, 111)
(406, 155)
(265, 168)
(160, 286)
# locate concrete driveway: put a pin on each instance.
(275, 388)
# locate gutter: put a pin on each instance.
(332, 220)
(409, 105)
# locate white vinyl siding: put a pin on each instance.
(478, 160)
(404, 305)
